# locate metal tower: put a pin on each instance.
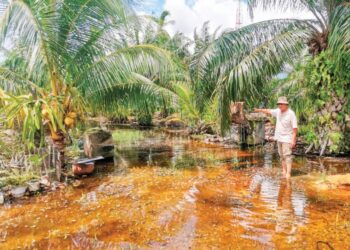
(238, 16)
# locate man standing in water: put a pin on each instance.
(285, 133)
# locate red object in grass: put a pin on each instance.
(81, 169)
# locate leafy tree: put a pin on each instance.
(69, 54)
(244, 60)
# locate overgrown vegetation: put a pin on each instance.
(65, 60)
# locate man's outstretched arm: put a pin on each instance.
(265, 111)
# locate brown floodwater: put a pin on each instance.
(171, 192)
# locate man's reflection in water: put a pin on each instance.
(285, 205)
(285, 216)
(290, 212)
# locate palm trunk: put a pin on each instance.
(59, 157)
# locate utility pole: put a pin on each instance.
(238, 16)
(238, 13)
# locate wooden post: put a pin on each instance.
(237, 112)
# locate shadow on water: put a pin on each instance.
(170, 192)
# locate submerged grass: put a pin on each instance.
(190, 162)
(127, 137)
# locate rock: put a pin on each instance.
(175, 123)
(33, 186)
(19, 191)
(55, 185)
(98, 142)
(45, 181)
(2, 198)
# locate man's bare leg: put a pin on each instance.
(284, 168)
(288, 168)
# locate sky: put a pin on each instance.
(190, 14)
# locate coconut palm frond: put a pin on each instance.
(339, 39)
(243, 60)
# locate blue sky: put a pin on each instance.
(157, 6)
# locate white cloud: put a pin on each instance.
(218, 13)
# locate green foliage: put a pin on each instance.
(188, 109)
(144, 118)
(68, 51)
(15, 177)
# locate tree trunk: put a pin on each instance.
(332, 134)
(59, 157)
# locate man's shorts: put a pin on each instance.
(285, 151)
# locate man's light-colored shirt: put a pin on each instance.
(285, 123)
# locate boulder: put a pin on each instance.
(98, 142)
(18, 191)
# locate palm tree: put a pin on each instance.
(70, 54)
(147, 29)
(244, 60)
(204, 84)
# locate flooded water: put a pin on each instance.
(174, 193)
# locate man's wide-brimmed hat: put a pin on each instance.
(282, 100)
